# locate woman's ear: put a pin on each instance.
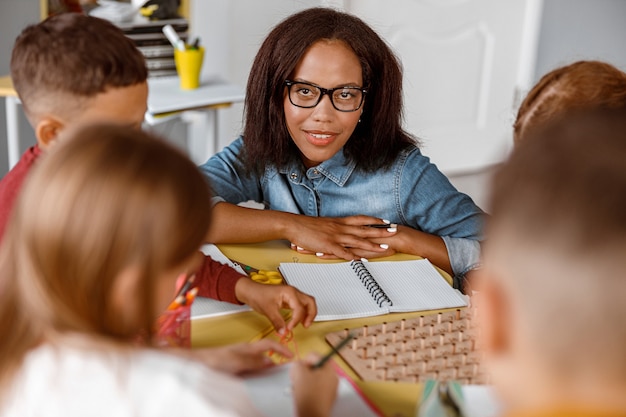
(47, 130)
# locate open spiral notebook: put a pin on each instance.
(362, 288)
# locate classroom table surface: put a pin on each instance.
(393, 398)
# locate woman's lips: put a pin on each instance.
(320, 138)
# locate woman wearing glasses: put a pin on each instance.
(323, 149)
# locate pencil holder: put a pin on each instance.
(188, 66)
(173, 327)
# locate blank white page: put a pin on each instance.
(207, 307)
(415, 286)
(338, 291)
(271, 393)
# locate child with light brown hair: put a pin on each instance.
(553, 287)
(102, 229)
(71, 70)
(580, 85)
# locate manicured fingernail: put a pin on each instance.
(299, 248)
(392, 229)
(293, 245)
(319, 254)
(386, 221)
(384, 246)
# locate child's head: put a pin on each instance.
(329, 49)
(581, 85)
(104, 226)
(554, 286)
(72, 69)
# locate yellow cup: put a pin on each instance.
(188, 66)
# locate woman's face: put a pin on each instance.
(321, 131)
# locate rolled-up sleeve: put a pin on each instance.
(464, 256)
(432, 204)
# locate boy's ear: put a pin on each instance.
(47, 130)
(495, 321)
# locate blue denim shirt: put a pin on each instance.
(412, 192)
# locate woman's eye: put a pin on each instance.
(345, 95)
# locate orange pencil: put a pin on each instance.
(191, 295)
(178, 301)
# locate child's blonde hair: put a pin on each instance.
(104, 200)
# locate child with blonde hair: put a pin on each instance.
(102, 229)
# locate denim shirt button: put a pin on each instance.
(316, 172)
(293, 176)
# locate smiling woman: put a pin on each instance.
(324, 149)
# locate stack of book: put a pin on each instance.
(150, 40)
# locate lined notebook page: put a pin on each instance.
(414, 285)
(338, 292)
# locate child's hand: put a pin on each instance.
(268, 299)
(240, 358)
(314, 390)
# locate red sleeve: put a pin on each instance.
(216, 280)
(11, 185)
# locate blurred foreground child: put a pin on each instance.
(102, 229)
(553, 289)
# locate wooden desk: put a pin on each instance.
(165, 101)
(394, 399)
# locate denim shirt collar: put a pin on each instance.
(337, 169)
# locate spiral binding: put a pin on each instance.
(371, 285)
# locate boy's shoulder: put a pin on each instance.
(11, 184)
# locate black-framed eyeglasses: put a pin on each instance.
(307, 95)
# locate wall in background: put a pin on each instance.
(14, 16)
(572, 30)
